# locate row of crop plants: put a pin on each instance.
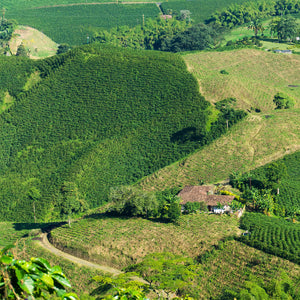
(75, 25)
(272, 235)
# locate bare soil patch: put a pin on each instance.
(36, 43)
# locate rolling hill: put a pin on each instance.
(254, 78)
(98, 117)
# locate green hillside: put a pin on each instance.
(72, 24)
(289, 186)
(254, 78)
(99, 117)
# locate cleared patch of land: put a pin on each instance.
(254, 76)
(121, 242)
(36, 43)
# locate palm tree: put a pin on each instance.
(256, 26)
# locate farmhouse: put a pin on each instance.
(206, 194)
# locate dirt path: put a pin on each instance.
(44, 242)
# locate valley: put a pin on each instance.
(108, 110)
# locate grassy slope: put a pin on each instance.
(38, 44)
(120, 242)
(231, 266)
(254, 78)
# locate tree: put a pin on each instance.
(197, 37)
(21, 51)
(72, 201)
(256, 26)
(169, 202)
(283, 101)
(285, 28)
(275, 172)
(184, 15)
(63, 48)
(20, 279)
(167, 271)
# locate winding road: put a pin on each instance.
(44, 243)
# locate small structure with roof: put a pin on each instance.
(215, 203)
(283, 51)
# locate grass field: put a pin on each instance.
(254, 76)
(121, 242)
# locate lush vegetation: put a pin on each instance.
(286, 179)
(252, 11)
(151, 35)
(72, 24)
(20, 279)
(272, 235)
(100, 117)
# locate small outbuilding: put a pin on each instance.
(283, 51)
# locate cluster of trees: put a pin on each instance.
(132, 202)
(169, 273)
(150, 35)
(286, 28)
(196, 37)
(174, 35)
(236, 15)
(261, 190)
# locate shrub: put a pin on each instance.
(283, 101)
(224, 72)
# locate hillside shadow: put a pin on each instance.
(45, 227)
(111, 215)
(188, 134)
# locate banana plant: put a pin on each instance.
(20, 279)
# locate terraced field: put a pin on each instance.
(121, 242)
